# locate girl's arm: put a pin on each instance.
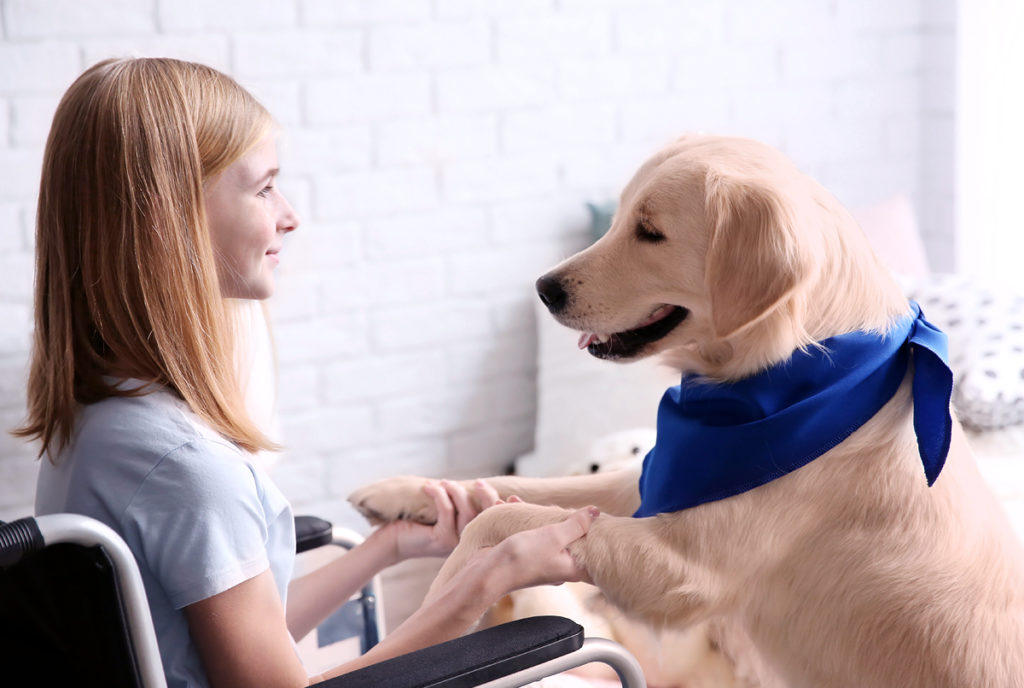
(315, 596)
(243, 638)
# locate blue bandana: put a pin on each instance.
(718, 440)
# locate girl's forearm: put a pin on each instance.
(315, 596)
(445, 615)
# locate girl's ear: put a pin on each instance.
(755, 259)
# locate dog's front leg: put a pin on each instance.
(391, 499)
(637, 563)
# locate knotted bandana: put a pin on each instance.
(717, 440)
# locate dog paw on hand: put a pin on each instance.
(395, 499)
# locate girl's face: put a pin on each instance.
(248, 218)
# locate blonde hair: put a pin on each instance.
(126, 284)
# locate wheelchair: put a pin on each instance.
(73, 612)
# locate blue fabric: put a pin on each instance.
(717, 440)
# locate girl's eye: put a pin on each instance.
(265, 191)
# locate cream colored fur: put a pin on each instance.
(849, 572)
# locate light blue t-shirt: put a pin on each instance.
(197, 513)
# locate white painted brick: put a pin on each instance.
(513, 317)
(384, 377)
(938, 93)
(327, 430)
(896, 95)
(330, 150)
(460, 9)
(375, 193)
(496, 179)
(298, 52)
(793, 20)
(281, 98)
(11, 236)
(939, 13)
(752, 66)
(611, 78)
(37, 67)
(553, 36)
(232, 15)
(852, 139)
(830, 58)
(34, 19)
(433, 45)
(661, 29)
(358, 467)
(901, 136)
(415, 327)
(864, 182)
(667, 118)
(367, 97)
(31, 118)
(494, 88)
(384, 284)
(858, 16)
(550, 128)
(206, 48)
(301, 477)
(17, 480)
(321, 339)
(298, 388)
(903, 52)
(321, 12)
(434, 232)
(437, 139)
(16, 511)
(18, 270)
(512, 267)
(14, 450)
(5, 123)
(19, 172)
(321, 245)
(13, 381)
(543, 218)
(434, 412)
(296, 298)
(939, 48)
(603, 171)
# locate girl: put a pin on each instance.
(157, 209)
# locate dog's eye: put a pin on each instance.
(648, 234)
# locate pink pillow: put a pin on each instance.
(891, 227)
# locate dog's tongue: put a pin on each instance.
(585, 339)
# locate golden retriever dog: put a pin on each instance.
(849, 571)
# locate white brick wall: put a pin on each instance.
(440, 154)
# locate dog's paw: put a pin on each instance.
(395, 499)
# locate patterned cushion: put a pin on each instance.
(986, 345)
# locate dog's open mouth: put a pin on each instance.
(629, 343)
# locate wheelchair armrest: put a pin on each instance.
(472, 659)
(311, 532)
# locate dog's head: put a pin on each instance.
(720, 256)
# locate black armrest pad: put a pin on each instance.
(311, 532)
(473, 659)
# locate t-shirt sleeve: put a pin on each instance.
(199, 521)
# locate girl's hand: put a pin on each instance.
(455, 509)
(541, 556)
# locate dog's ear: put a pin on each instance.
(755, 258)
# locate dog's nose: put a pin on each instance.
(552, 293)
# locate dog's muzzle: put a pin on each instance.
(552, 293)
